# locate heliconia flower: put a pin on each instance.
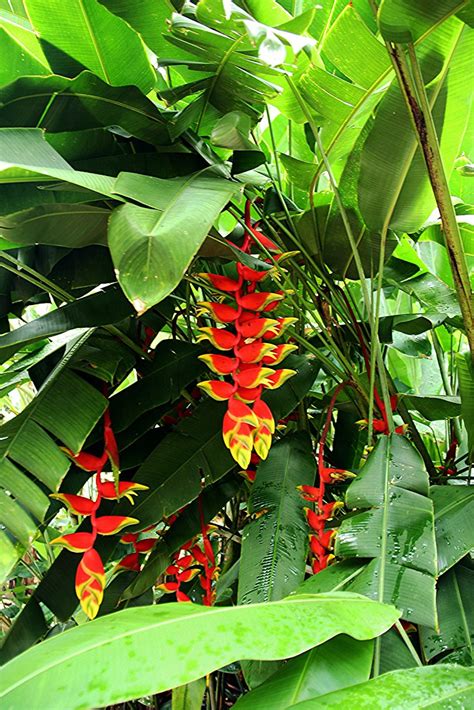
(217, 389)
(75, 542)
(129, 537)
(310, 493)
(181, 596)
(126, 489)
(80, 505)
(130, 563)
(219, 337)
(88, 462)
(262, 441)
(321, 563)
(253, 275)
(110, 442)
(279, 377)
(220, 364)
(315, 520)
(172, 570)
(111, 524)
(264, 414)
(259, 300)
(255, 352)
(145, 545)
(249, 394)
(241, 412)
(257, 327)
(169, 587)
(221, 312)
(328, 509)
(222, 283)
(254, 376)
(187, 575)
(250, 474)
(281, 325)
(316, 546)
(279, 353)
(240, 446)
(329, 475)
(90, 582)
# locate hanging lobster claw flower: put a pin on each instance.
(181, 596)
(80, 505)
(316, 547)
(217, 389)
(110, 442)
(328, 509)
(264, 414)
(240, 445)
(129, 563)
(262, 441)
(129, 537)
(315, 521)
(219, 337)
(278, 378)
(257, 327)
(240, 412)
(220, 312)
(310, 493)
(88, 462)
(187, 575)
(250, 474)
(329, 475)
(249, 394)
(279, 353)
(169, 587)
(222, 283)
(145, 545)
(253, 377)
(75, 542)
(126, 489)
(111, 524)
(254, 352)
(280, 327)
(259, 300)
(90, 582)
(253, 275)
(220, 364)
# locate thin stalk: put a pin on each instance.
(408, 643)
(357, 259)
(418, 103)
(445, 378)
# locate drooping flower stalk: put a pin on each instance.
(90, 574)
(320, 539)
(247, 338)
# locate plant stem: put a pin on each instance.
(444, 376)
(417, 101)
(408, 643)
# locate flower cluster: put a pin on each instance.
(247, 337)
(193, 559)
(90, 574)
(381, 426)
(131, 562)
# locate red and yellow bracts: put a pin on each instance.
(90, 574)
(248, 366)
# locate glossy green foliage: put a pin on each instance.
(437, 687)
(290, 627)
(395, 530)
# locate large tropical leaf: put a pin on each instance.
(152, 249)
(20, 50)
(394, 188)
(435, 687)
(454, 510)
(466, 390)
(336, 664)
(395, 530)
(456, 617)
(69, 670)
(95, 38)
(60, 104)
(406, 20)
(31, 462)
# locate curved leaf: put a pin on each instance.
(152, 249)
(435, 687)
(336, 664)
(95, 38)
(394, 189)
(406, 20)
(395, 530)
(454, 512)
(69, 670)
(274, 545)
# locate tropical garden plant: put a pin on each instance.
(237, 374)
